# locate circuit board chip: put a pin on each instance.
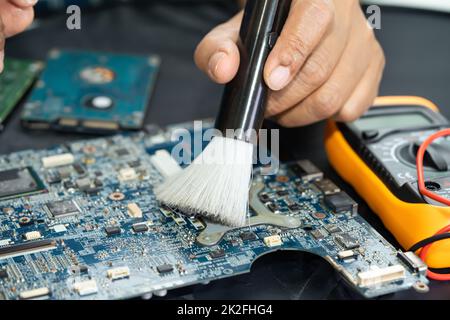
(248, 236)
(332, 228)
(341, 202)
(139, 227)
(306, 170)
(216, 254)
(3, 274)
(318, 234)
(346, 241)
(122, 152)
(63, 208)
(327, 186)
(112, 230)
(19, 182)
(164, 268)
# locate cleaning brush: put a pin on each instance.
(216, 184)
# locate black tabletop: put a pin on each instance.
(417, 48)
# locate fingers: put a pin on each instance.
(326, 62)
(305, 27)
(2, 57)
(317, 68)
(366, 91)
(217, 54)
(16, 18)
(24, 3)
(2, 45)
(330, 98)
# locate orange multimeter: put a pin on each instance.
(377, 155)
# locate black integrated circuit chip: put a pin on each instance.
(68, 184)
(98, 183)
(346, 241)
(139, 227)
(62, 208)
(332, 228)
(122, 152)
(3, 274)
(306, 170)
(247, 236)
(164, 268)
(79, 168)
(83, 269)
(294, 207)
(134, 163)
(282, 193)
(19, 182)
(54, 177)
(341, 202)
(273, 207)
(215, 254)
(318, 234)
(327, 186)
(112, 230)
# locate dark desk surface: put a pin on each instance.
(417, 47)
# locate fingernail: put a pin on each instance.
(26, 3)
(214, 62)
(279, 78)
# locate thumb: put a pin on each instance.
(217, 54)
(15, 18)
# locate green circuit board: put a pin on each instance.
(16, 78)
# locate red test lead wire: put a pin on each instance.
(428, 193)
(423, 255)
(420, 172)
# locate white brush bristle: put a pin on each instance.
(216, 184)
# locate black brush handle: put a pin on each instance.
(245, 97)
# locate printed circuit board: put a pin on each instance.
(80, 221)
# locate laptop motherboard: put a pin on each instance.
(80, 221)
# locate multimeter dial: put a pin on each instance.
(387, 139)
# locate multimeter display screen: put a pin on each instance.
(392, 121)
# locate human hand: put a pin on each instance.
(326, 62)
(15, 16)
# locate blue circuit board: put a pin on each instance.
(91, 92)
(80, 221)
